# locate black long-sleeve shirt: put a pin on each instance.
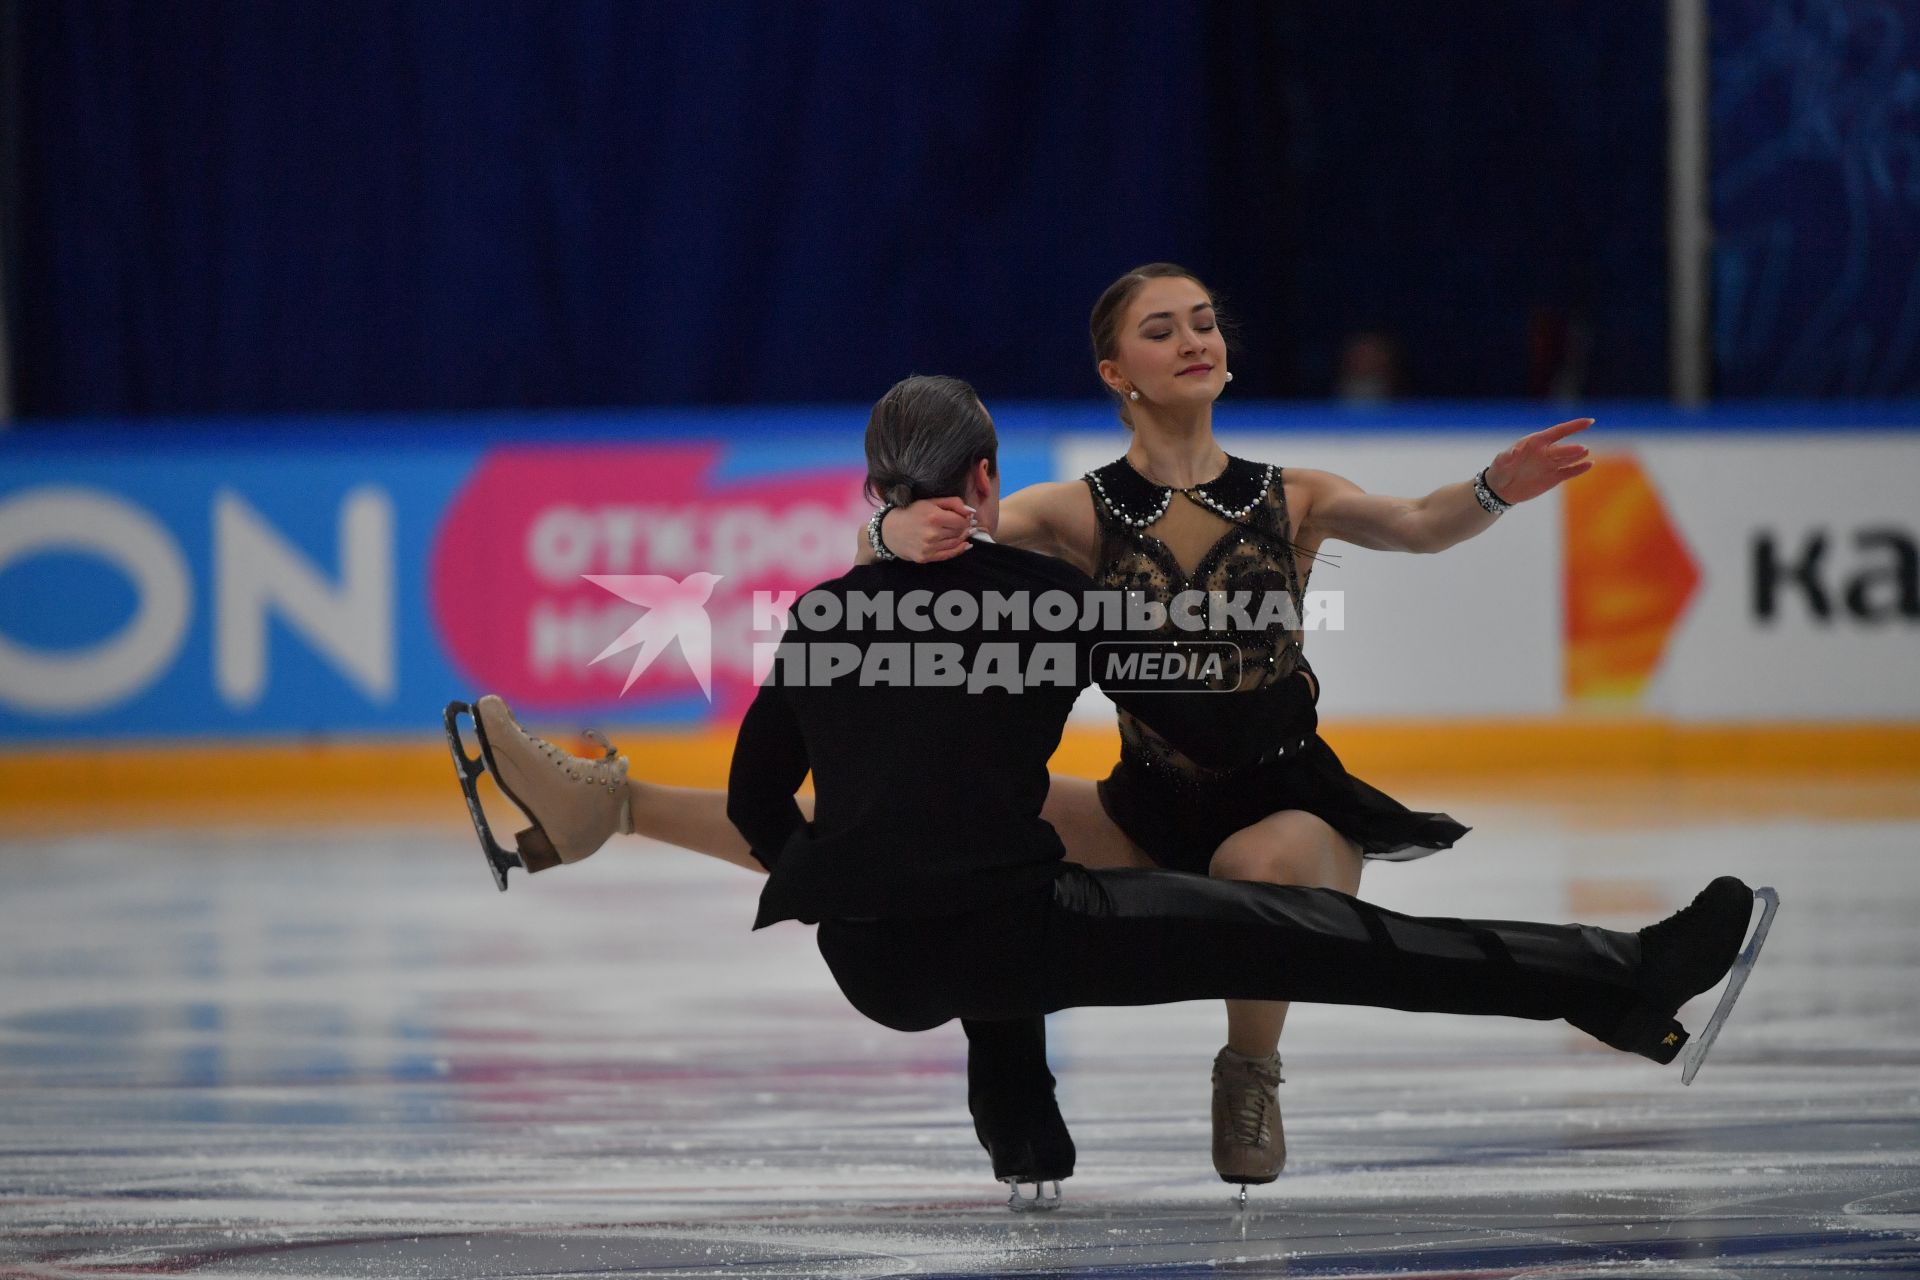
(927, 799)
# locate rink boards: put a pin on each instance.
(1743, 573)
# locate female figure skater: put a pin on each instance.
(942, 895)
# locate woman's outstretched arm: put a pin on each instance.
(1338, 508)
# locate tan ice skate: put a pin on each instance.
(575, 804)
(1249, 1144)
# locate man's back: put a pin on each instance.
(929, 752)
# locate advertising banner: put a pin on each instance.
(606, 570)
(1785, 574)
(229, 590)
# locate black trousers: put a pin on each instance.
(1155, 937)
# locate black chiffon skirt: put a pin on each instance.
(1180, 819)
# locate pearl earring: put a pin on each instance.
(1133, 395)
(1229, 375)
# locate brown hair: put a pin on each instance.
(1103, 326)
(923, 436)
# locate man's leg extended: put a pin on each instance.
(1144, 937)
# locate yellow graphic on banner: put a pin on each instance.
(1629, 578)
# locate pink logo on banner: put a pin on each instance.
(513, 568)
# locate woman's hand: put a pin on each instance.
(1536, 463)
(928, 530)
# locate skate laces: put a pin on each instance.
(1253, 1099)
(609, 771)
(613, 765)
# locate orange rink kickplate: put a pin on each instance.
(1556, 761)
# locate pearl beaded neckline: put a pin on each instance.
(1241, 477)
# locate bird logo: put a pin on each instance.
(675, 610)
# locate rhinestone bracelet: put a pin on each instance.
(874, 540)
(1490, 502)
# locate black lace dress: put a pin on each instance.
(1176, 810)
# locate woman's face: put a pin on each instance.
(1169, 348)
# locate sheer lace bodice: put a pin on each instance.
(1228, 536)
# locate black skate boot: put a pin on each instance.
(1015, 1116)
(1029, 1147)
(1680, 957)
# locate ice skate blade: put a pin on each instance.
(1041, 1201)
(467, 769)
(1696, 1052)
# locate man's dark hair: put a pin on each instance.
(923, 437)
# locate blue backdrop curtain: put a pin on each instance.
(459, 204)
(1816, 197)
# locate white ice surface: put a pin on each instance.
(345, 1054)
